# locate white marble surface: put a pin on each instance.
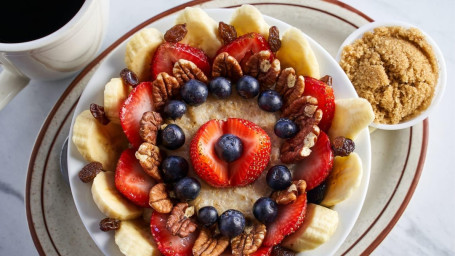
(427, 227)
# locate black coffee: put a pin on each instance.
(27, 20)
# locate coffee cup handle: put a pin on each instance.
(11, 83)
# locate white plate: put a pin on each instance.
(90, 215)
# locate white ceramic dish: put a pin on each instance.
(440, 87)
(90, 215)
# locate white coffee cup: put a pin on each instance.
(55, 56)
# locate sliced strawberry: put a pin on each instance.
(289, 219)
(262, 251)
(138, 102)
(246, 169)
(168, 54)
(168, 244)
(131, 180)
(250, 43)
(316, 167)
(326, 100)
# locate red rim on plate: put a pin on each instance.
(86, 70)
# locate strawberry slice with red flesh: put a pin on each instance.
(250, 43)
(168, 244)
(262, 251)
(131, 180)
(317, 166)
(246, 169)
(138, 102)
(326, 100)
(289, 219)
(167, 54)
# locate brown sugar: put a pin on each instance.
(395, 69)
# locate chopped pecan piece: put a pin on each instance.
(260, 67)
(150, 159)
(226, 66)
(296, 92)
(286, 81)
(150, 124)
(176, 33)
(209, 244)
(299, 147)
(108, 224)
(185, 70)
(342, 146)
(281, 251)
(159, 199)
(164, 88)
(327, 80)
(290, 194)
(274, 39)
(303, 111)
(227, 32)
(99, 114)
(249, 241)
(179, 222)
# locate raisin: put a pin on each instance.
(108, 224)
(274, 39)
(227, 32)
(342, 146)
(129, 77)
(327, 80)
(89, 172)
(316, 195)
(176, 33)
(281, 251)
(98, 113)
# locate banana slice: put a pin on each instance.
(344, 179)
(115, 93)
(134, 239)
(248, 18)
(140, 49)
(351, 116)
(202, 30)
(109, 201)
(319, 225)
(296, 52)
(97, 142)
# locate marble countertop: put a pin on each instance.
(427, 227)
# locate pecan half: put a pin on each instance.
(303, 111)
(179, 222)
(286, 81)
(259, 66)
(296, 92)
(99, 114)
(249, 241)
(327, 80)
(226, 66)
(150, 124)
(176, 33)
(164, 88)
(159, 199)
(299, 147)
(150, 159)
(342, 146)
(290, 194)
(185, 70)
(274, 39)
(227, 32)
(209, 244)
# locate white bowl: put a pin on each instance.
(440, 87)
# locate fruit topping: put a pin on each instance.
(246, 169)
(207, 216)
(187, 189)
(249, 241)
(327, 80)
(248, 43)
(262, 251)
(227, 32)
(231, 223)
(270, 101)
(274, 39)
(176, 33)
(210, 244)
(108, 224)
(285, 128)
(315, 168)
(342, 146)
(194, 92)
(248, 18)
(168, 54)
(138, 102)
(174, 168)
(247, 87)
(168, 244)
(326, 100)
(172, 137)
(174, 109)
(131, 180)
(180, 222)
(89, 171)
(265, 210)
(220, 87)
(159, 199)
(279, 177)
(229, 148)
(129, 78)
(281, 251)
(316, 195)
(99, 114)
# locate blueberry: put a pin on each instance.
(187, 189)
(194, 92)
(174, 109)
(279, 177)
(229, 147)
(207, 216)
(172, 137)
(220, 87)
(265, 210)
(231, 223)
(285, 128)
(174, 168)
(270, 101)
(316, 195)
(248, 87)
